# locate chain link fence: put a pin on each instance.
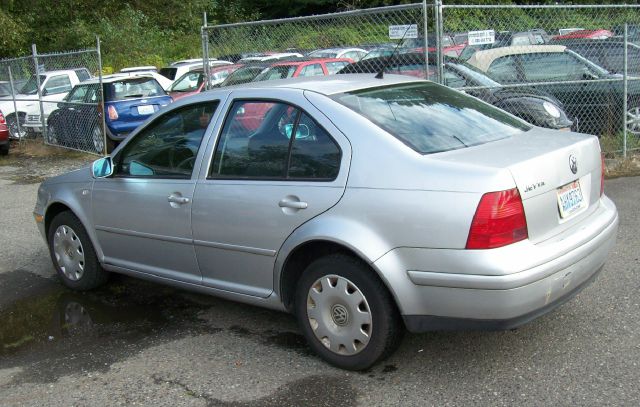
(56, 96)
(557, 66)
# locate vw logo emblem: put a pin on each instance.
(340, 315)
(573, 164)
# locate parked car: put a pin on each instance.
(129, 101)
(361, 205)
(161, 79)
(585, 34)
(509, 38)
(244, 74)
(607, 53)
(597, 105)
(536, 107)
(54, 86)
(269, 57)
(449, 47)
(177, 70)
(306, 67)
(5, 143)
(354, 54)
(193, 82)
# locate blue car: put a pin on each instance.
(128, 102)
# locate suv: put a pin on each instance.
(54, 86)
(129, 101)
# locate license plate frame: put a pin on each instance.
(571, 199)
(146, 110)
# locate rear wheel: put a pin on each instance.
(346, 313)
(633, 120)
(73, 254)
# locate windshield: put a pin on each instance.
(242, 75)
(276, 72)
(189, 82)
(169, 73)
(475, 75)
(600, 71)
(431, 118)
(133, 89)
(31, 87)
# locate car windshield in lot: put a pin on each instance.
(431, 118)
(31, 87)
(133, 88)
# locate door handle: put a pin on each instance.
(178, 199)
(285, 203)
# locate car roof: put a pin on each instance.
(117, 78)
(310, 61)
(60, 71)
(326, 85)
(483, 59)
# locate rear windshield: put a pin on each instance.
(133, 89)
(431, 118)
(168, 72)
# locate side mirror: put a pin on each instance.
(102, 167)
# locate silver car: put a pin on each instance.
(363, 206)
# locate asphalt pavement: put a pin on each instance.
(138, 343)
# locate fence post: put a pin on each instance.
(15, 106)
(425, 16)
(625, 92)
(42, 119)
(101, 102)
(439, 34)
(205, 51)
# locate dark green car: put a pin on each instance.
(589, 93)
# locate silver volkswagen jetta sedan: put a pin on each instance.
(364, 206)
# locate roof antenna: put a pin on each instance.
(380, 74)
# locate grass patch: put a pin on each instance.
(612, 145)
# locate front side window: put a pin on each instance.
(273, 140)
(78, 94)
(57, 84)
(431, 118)
(556, 66)
(168, 147)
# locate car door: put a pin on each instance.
(263, 182)
(590, 101)
(142, 214)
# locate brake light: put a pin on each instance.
(602, 170)
(499, 221)
(113, 113)
(2, 120)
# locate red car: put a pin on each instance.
(303, 67)
(585, 34)
(4, 136)
(192, 82)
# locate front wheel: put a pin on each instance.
(633, 120)
(13, 123)
(73, 254)
(346, 313)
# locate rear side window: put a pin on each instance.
(504, 70)
(82, 74)
(431, 118)
(552, 66)
(273, 140)
(134, 88)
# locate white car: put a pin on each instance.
(355, 54)
(270, 57)
(54, 86)
(177, 69)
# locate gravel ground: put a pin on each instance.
(137, 343)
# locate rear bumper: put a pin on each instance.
(499, 288)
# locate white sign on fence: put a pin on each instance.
(482, 37)
(397, 32)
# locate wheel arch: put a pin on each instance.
(303, 247)
(56, 207)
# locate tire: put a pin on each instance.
(4, 150)
(633, 120)
(73, 255)
(353, 306)
(12, 124)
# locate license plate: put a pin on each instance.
(570, 199)
(145, 109)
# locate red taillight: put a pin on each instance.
(602, 170)
(2, 121)
(113, 113)
(499, 221)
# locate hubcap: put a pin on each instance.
(633, 120)
(68, 252)
(339, 315)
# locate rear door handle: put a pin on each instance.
(285, 203)
(178, 199)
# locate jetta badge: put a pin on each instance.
(573, 164)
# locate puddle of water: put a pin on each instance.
(50, 331)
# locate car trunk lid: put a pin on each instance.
(550, 169)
